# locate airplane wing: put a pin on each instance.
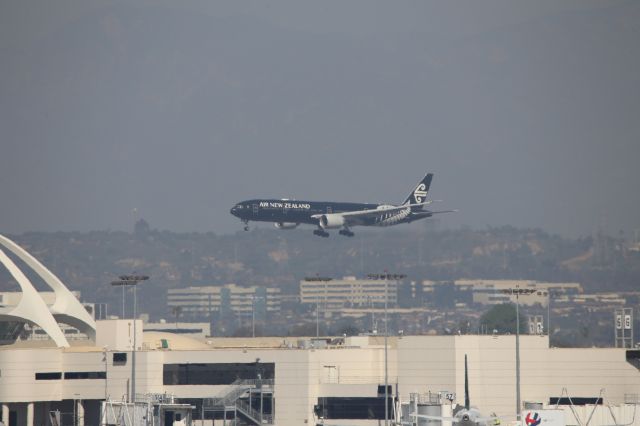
(353, 216)
(358, 217)
(375, 212)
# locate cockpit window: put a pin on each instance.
(239, 206)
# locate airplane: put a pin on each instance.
(468, 416)
(288, 214)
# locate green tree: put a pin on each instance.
(502, 318)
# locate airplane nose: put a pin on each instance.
(234, 211)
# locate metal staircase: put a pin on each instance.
(229, 400)
(252, 414)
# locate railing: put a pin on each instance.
(253, 414)
(235, 390)
(159, 398)
(432, 398)
(233, 396)
(229, 398)
(255, 383)
(354, 380)
(631, 398)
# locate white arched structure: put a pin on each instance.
(66, 307)
(31, 307)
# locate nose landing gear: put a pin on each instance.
(246, 225)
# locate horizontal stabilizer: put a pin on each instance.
(445, 211)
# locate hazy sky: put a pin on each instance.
(527, 112)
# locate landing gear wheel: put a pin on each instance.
(321, 233)
(246, 225)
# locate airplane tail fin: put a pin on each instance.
(467, 404)
(419, 193)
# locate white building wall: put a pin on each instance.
(420, 364)
(292, 394)
(90, 361)
(117, 335)
(149, 369)
(426, 364)
(583, 372)
(17, 375)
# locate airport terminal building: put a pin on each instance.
(283, 381)
(302, 381)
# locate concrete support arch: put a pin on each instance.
(66, 308)
(31, 307)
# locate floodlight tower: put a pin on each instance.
(131, 281)
(517, 291)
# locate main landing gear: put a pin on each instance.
(321, 233)
(346, 233)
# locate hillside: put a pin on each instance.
(90, 261)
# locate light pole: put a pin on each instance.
(122, 303)
(318, 317)
(386, 371)
(253, 315)
(106, 383)
(75, 408)
(549, 315)
(550, 295)
(517, 291)
(132, 281)
(262, 312)
(386, 277)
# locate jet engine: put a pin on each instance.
(285, 225)
(330, 221)
(385, 207)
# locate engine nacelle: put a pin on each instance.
(285, 225)
(330, 221)
(385, 207)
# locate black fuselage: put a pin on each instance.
(288, 214)
(292, 211)
(295, 212)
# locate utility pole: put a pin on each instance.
(132, 281)
(517, 291)
(518, 416)
(386, 371)
(386, 277)
(317, 317)
(106, 383)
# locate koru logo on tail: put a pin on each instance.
(533, 421)
(420, 192)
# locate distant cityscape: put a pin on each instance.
(306, 287)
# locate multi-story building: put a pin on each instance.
(200, 302)
(349, 292)
(291, 381)
(494, 292)
(306, 381)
